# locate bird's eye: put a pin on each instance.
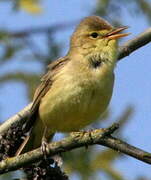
(94, 35)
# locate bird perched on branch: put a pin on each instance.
(77, 88)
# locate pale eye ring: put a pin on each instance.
(94, 35)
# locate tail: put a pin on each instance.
(33, 140)
(39, 132)
(35, 137)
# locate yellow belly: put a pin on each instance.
(74, 105)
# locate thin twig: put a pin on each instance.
(37, 30)
(20, 117)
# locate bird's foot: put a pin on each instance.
(78, 134)
(87, 134)
(82, 134)
(55, 160)
(45, 148)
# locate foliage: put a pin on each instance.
(31, 6)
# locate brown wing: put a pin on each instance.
(46, 82)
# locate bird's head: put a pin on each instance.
(95, 37)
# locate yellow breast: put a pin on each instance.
(76, 99)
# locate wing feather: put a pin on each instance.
(43, 88)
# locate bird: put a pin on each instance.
(77, 88)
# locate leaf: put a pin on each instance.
(103, 161)
(3, 35)
(30, 6)
(146, 8)
(113, 174)
(9, 52)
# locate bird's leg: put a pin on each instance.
(56, 159)
(80, 134)
(44, 145)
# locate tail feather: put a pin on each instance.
(33, 140)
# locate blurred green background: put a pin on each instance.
(33, 33)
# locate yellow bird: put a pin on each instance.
(78, 87)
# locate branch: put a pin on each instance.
(20, 117)
(37, 30)
(124, 50)
(76, 140)
(134, 44)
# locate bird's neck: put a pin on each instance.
(105, 55)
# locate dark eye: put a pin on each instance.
(94, 35)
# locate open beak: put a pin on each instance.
(114, 34)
